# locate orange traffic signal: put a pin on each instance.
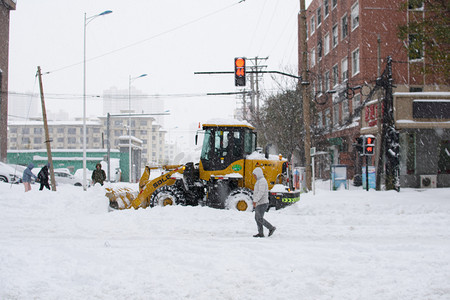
(369, 145)
(239, 71)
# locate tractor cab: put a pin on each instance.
(225, 144)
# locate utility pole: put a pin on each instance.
(256, 69)
(305, 96)
(47, 136)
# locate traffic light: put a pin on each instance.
(369, 145)
(239, 71)
(359, 144)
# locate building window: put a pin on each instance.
(415, 47)
(326, 43)
(143, 123)
(319, 16)
(37, 140)
(313, 24)
(13, 130)
(95, 130)
(327, 81)
(355, 15)
(415, 5)
(313, 57)
(355, 62)
(71, 131)
(356, 103)
(25, 130)
(326, 4)
(60, 130)
(319, 120)
(344, 69)
(335, 36)
(143, 132)
(118, 123)
(25, 140)
(334, 3)
(336, 114)
(345, 110)
(335, 75)
(37, 130)
(327, 118)
(71, 140)
(319, 49)
(344, 27)
(60, 140)
(117, 132)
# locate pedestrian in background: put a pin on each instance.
(261, 203)
(26, 177)
(43, 177)
(98, 175)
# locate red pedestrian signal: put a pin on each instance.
(239, 71)
(369, 145)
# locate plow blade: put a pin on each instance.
(121, 198)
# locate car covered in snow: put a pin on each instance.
(10, 174)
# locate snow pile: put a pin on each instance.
(334, 245)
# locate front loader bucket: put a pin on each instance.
(120, 198)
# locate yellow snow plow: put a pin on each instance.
(222, 179)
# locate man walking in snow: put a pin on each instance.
(98, 176)
(261, 203)
(26, 177)
(43, 177)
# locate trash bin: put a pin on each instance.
(338, 176)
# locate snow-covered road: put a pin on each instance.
(334, 245)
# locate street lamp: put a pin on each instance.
(87, 20)
(130, 80)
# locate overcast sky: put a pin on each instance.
(169, 40)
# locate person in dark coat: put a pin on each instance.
(26, 177)
(98, 175)
(43, 177)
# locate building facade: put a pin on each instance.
(348, 42)
(30, 135)
(5, 7)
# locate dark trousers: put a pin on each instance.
(44, 184)
(259, 217)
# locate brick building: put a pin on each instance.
(348, 42)
(5, 7)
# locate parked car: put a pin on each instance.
(10, 174)
(63, 176)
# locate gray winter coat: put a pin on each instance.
(27, 174)
(261, 191)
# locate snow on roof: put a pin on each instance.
(229, 122)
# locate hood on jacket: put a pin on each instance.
(30, 166)
(258, 173)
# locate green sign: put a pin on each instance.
(236, 168)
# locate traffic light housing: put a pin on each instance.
(359, 144)
(239, 71)
(369, 145)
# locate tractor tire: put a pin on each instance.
(240, 199)
(166, 195)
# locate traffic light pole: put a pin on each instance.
(367, 172)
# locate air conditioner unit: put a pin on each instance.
(428, 181)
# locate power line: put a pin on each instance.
(146, 39)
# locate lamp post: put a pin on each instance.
(130, 80)
(87, 20)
